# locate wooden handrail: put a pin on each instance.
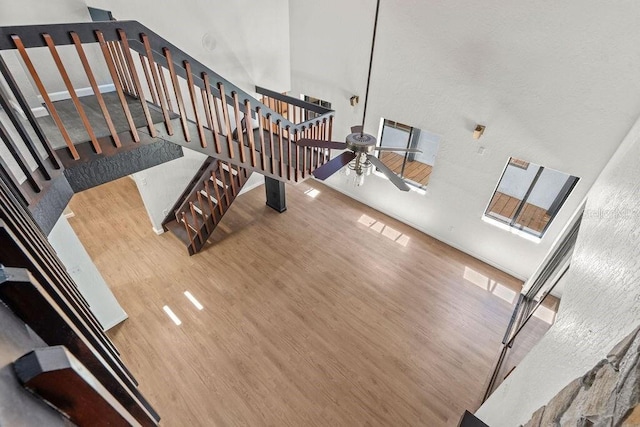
(30, 35)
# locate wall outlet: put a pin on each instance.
(481, 151)
(143, 181)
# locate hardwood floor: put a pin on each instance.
(330, 313)
(531, 216)
(415, 171)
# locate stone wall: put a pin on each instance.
(606, 396)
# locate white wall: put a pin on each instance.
(251, 38)
(599, 300)
(31, 12)
(84, 272)
(552, 82)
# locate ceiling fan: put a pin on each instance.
(360, 144)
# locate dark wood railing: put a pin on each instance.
(143, 65)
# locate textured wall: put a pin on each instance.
(601, 299)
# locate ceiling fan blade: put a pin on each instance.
(356, 129)
(328, 169)
(397, 181)
(408, 150)
(321, 144)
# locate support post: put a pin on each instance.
(275, 194)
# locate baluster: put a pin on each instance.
(273, 154)
(212, 208)
(157, 83)
(147, 77)
(196, 223)
(188, 228)
(304, 155)
(204, 215)
(249, 124)
(96, 89)
(119, 68)
(45, 96)
(178, 94)
(223, 181)
(290, 152)
(239, 132)
(232, 181)
(134, 75)
(280, 146)
(114, 76)
(227, 122)
(194, 103)
(213, 122)
(261, 137)
(165, 87)
(296, 137)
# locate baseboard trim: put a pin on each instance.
(39, 111)
(83, 91)
(158, 231)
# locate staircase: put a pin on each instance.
(208, 197)
(158, 99)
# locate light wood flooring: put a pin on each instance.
(531, 216)
(329, 314)
(415, 171)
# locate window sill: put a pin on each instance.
(512, 230)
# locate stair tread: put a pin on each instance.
(178, 230)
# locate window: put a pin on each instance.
(415, 168)
(310, 99)
(529, 196)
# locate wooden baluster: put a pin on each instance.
(249, 123)
(280, 146)
(120, 69)
(232, 180)
(165, 87)
(213, 121)
(219, 117)
(320, 151)
(136, 82)
(196, 223)
(261, 138)
(204, 215)
(239, 132)
(240, 175)
(114, 76)
(218, 200)
(227, 122)
(290, 151)
(188, 228)
(147, 77)
(45, 96)
(157, 83)
(96, 89)
(296, 137)
(178, 93)
(329, 135)
(224, 183)
(304, 155)
(311, 150)
(126, 67)
(272, 152)
(194, 104)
